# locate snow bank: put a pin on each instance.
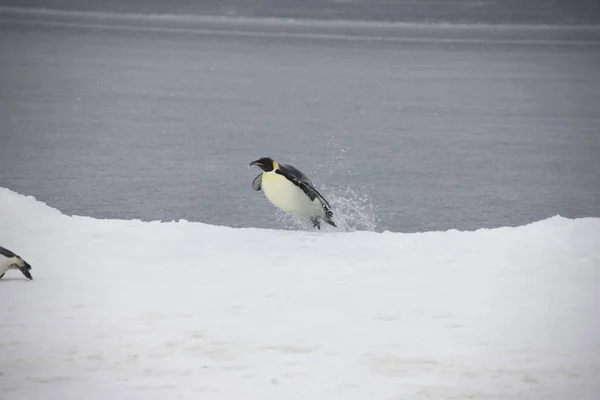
(119, 309)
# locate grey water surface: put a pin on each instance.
(440, 127)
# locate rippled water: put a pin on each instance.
(405, 135)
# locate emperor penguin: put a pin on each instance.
(291, 191)
(9, 260)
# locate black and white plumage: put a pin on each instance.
(9, 260)
(291, 191)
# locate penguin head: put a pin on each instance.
(265, 163)
(25, 270)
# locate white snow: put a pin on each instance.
(148, 310)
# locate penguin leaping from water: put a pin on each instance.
(291, 191)
(9, 260)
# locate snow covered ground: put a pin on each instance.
(131, 309)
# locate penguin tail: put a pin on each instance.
(328, 218)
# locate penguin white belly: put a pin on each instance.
(288, 197)
(4, 264)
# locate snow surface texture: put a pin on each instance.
(131, 309)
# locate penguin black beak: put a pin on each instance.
(258, 163)
(25, 271)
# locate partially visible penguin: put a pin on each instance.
(291, 191)
(9, 260)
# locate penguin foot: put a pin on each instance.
(315, 222)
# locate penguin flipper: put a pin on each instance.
(257, 183)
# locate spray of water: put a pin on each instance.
(353, 210)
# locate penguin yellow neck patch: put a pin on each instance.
(275, 165)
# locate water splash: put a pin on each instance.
(352, 211)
